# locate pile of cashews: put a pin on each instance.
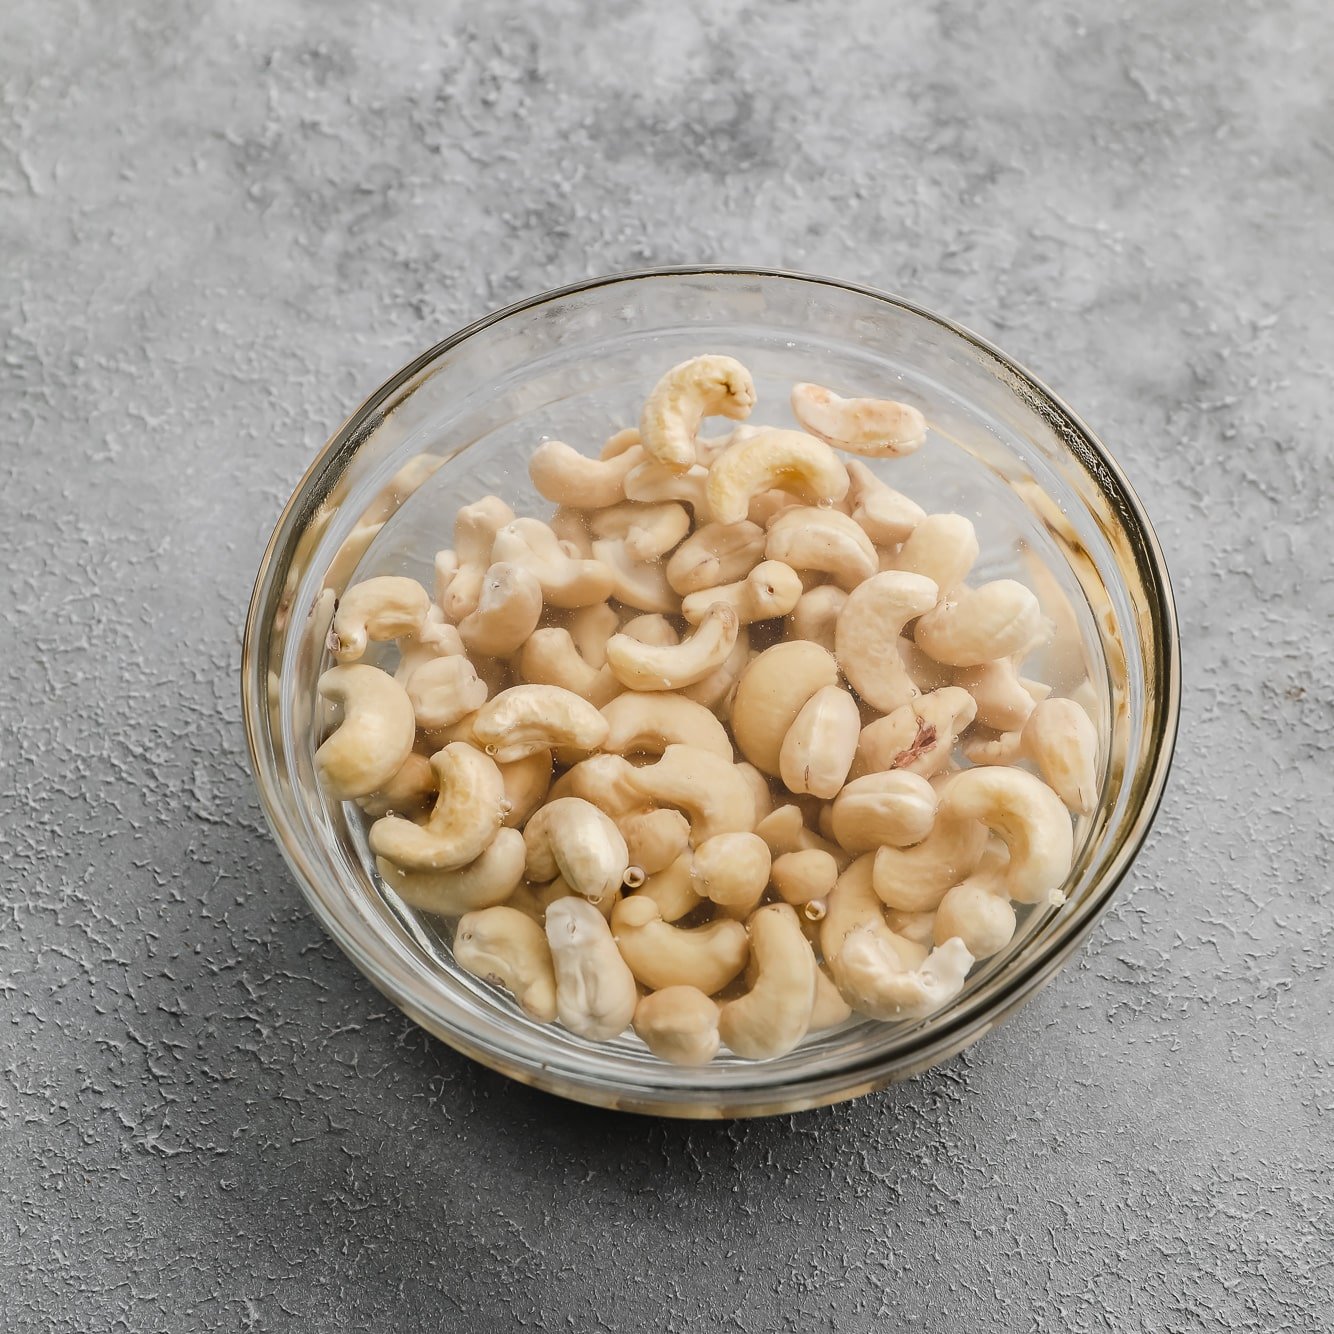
(726, 750)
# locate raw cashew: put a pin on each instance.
(645, 667)
(732, 870)
(661, 955)
(1027, 815)
(715, 691)
(566, 581)
(505, 947)
(489, 880)
(375, 736)
(866, 636)
(770, 589)
(654, 839)
(409, 790)
(650, 628)
(981, 918)
(523, 719)
(376, 609)
(508, 609)
(608, 781)
(526, 783)
(873, 981)
(464, 820)
(595, 990)
(775, 1014)
(590, 628)
(648, 531)
(1061, 740)
(917, 927)
(942, 548)
(653, 483)
(759, 789)
(678, 1024)
(803, 877)
(817, 751)
(567, 477)
(1003, 748)
(784, 830)
(673, 889)
(640, 584)
(822, 540)
(550, 657)
(572, 838)
(707, 386)
(853, 906)
(897, 808)
(646, 724)
(459, 574)
(443, 690)
(915, 879)
(715, 554)
(773, 459)
(714, 796)
(830, 1008)
(979, 624)
(918, 736)
(772, 691)
(816, 614)
(1002, 702)
(926, 673)
(572, 531)
(885, 516)
(878, 427)
(435, 638)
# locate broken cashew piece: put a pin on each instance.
(877, 427)
(897, 808)
(817, 751)
(595, 989)
(707, 386)
(489, 880)
(646, 724)
(715, 797)
(566, 477)
(771, 589)
(717, 553)
(980, 624)
(572, 838)
(773, 459)
(524, 719)
(731, 870)
(444, 690)
(376, 609)
(822, 541)
(508, 609)
(866, 636)
(375, 737)
(772, 691)
(661, 955)
(647, 667)
(678, 1024)
(507, 948)
(775, 1014)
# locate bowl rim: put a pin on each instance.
(936, 1042)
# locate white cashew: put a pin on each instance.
(636, 583)
(878, 427)
(803, 877)
(608, 781)
(444, 690)
(523, 719)
(1062, 742)
(375, 736)
(866, 636)
(897, 808)
(646, 724)
(648, 531)
(886, 516)
(979, 624)
(435, 638)
(567, 581)
(508, 949)
(654, 483)
(459, 574)
(770, 589)
(926, 673)
(731, 870)
(773, 459)
(590, 628)
(572, 838)
(567, 477)
(824, 541)
(817, 751)
(673, 889)
(715, 554)
(816, 614)
(759, 789)
(919, 928)
(526, 784)
(661, 955)
(489, 880)
(550, 657)
(872, 979)
(1003, 748)
(1002, 702)
(707, 386)
(646, 667)
(572, 531)
(508, 609)
(408, 791)
(942, 548)
(775, 1014)
(853, 906)
(915, 879)
(650, 628)
(716, 690)
(654, 839)
(678, 1024)
(785, 830)
(595, 990)
(376, 609)
(772, 691)
(830, 1009)
(714, 796)
(465, 818)
(918, 736)
(983, 919)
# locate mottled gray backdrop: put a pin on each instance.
(221, 225)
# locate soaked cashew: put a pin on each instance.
(505, 947)
(648, 531)
(679, 1024)
(572, 532)
(803, 877)
(661, 955)
(1002, 702)
(608, 781)
(374, 610)
(526, 784)
(774, 1015)
(572, 838)
(508, 609)
(978, 916)
(590, 627)
(854, 906)
(650, 628)
(918, 736)
(567, 581)
(459, 573)
(714, 796)
(942, 548)
(715, 554)
(646, 667)
(524, 719)
(673, 889)
(375, 736)
(707, 386)
(866, 636)
(654, 839)
(640, 584)
(410, 789)
(886, 516)
(897, 808)
(619, 441)
(595, 989)
(980, 624)
(653, 483)
(489, 880)
(443, 690)
(550, 657)
(785, 830)
(822, 541)
(773, 459)
(830, 1009)
(567, 477)
(915, 879)
(872, 980)
(817, 751)
(772, 691)
(759, 789)
(646, 724)
(816, 614)
(731, 870)
(878, 427)
(770, 589)
(1062, 742)
(715, 691)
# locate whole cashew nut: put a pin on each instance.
(673, 889)
(772, 691)
(707, 386)
(915, 879)
(976, 915)
(866, 636)
(459, 573)
(572, 838)
(636, 583)
(898, 808)
(731, 870)
(376, 609)
(646, 724)
(649, 628)
(878, 427)
(526, 784)
(785, 830)
(854, 906)
(918, 736)
(824, 541)
(595, 989)
(803, 877)
(661, 955)
(648, 531)
(773, 459)
(770, 589)
(886, 516)
(817, 751)
(646, 667)
(979, 624)
(1002, 702)
(678, 1024)
(816, 614)
(375, 736)
(567, 581)
(1061, 740)
(409, 790)
(716, 554)
(550, 657)
(524, 719)
(567, 477)
(775, 1014)
(443, 690)
(942, 548)
(508, 949)
(508, 609)
(715, 797)
(654, 838)
(716, 690)
(872, 979)
(489, 880)
(590, 628)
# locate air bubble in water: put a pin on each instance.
(506, 805)
(815, 910)
(825, 503)
(492, 748)
(634, 877)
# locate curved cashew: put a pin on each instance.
(784, 830)
(772, 691)
(979, 624)
(707, 386)
(866, 636)
(649, 628)
(1061, 740)
(731, 870)
(572, 838)
(550, 657)
(853, 906)
(375, 736)
(672, 889)
(773, 459)
(926, 673)
(639, 584)
(653, 483)
(1002, 702)
(919, 928)
(822, 540)
(572, 531)
(817, 751)
(942, 548)
(646, 667)
(648, 531)
(1003, 748)
(608, 781)
(716, 554)
(654, 839)
(915, 879)
(1028, 816)
(897, 808)
(595, 990)
(759, 789)
(489, 880)
(802, 877)
(411, 787)
(716, 690)
(508, 609)
(459, 574)
(567, 477)
(878, 427)
(918, 736)
(816, 614)
(444, 690)
(678, 1024)
(646, 724)
(886, 516)
(507, 948)
(619, 441)
(775, 1014)
(567, 581)
(981, 918)
(523, 719)
(376, 609)
(465, 818)
(872, 979)
(714, 796)
(660, 955)
(436, 638)
(770, 589)
(590, 628)
(830, 1008)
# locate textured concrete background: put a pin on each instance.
(222, 224)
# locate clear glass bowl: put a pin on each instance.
(575, 363)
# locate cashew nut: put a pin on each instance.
(715, 554)
(707, 386)
(878, 427)
(980, 917)
(866, 636)
(816, 614)
(853, 906)
(678, 1024)
(646, 667)
(1002, 702)
(523, 719)
(1061, 740)
(942, 548)
(639, 584)
(551, 658)
(505, 947)
(590, 628)
(731, 870)
(567, 581)
(526, 784)
(653, 483)
(918, 736)
(567, 477)
(817, 751)
(803, 877)
(673, 889)
(661, 955)
(595, 990)
(714, 796)
(375, 736)
(919, 928)
(646, 724)
(775, 1014)
(979, 624)
(915, 879)
(459, 573)
(773, 459)
(654, 839)
(650, 628)
(772, 691)
(572, 838)
(1002, 748)
(376, 609)
(443, 690)
(784, 830)
(572, 531)
(886, 516)
(608, 781)
(648, 531)
(770, 589)
(409, 790)
(509, 606)
(872, 979)
(759, 789)
(489, 880)
(822, 540)
(897, 808)
(715, 691)
(830, 1009)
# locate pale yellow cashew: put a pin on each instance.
(817, 751)
(661, 955)
(980, 624)
(524, 719)
(731, 870)
(897, 808)
(1002, 702)
(716, 554)
(983, 919)
(714, 796)
(1028, 816)
(508, 949)
(654, 483)
(654, 838)
(775, 1014)
(673, 889)
(771, 589)
(707, 386)
(636, 583)
(435, 638)
(886, 516)
(822, 541)
(650, 628)
(572, 838)
(646, 724)
(872, 980)
(348, 556)
(508, 609)
(816, 614)
(374, 610)
(915, 879)
(770, 694)
(918, 736)
(595, 990)
(526, 784)
(830, 1009)
(759, 788)
(608, 781)
(459, 573)
(550, 657)
(572, 531)
(716, 690)
(464, 820)
(853, 906)
(590, 628)
(647, 667)
(678, 1024)
(619, 441)
(927, 674)
(443, 690)
(942, 548)
(375, 736)
(489, 880)
(785, 830)
(1004, 748)
(410, 789)
(917, 927)
(1062, 742)
(567, 477)
(866, 636)
(773, 459)
(567, 581)
(648, 531)
(878, 427)
(804, 877)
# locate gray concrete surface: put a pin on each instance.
(221, 224)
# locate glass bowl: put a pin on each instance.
(461, 420)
